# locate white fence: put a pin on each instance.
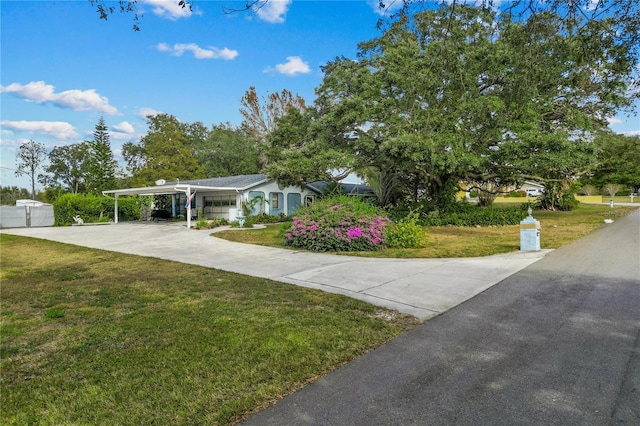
(26, 216)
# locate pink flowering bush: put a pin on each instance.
(338, 224)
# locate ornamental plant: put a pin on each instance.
(339, 223)
(406, 233)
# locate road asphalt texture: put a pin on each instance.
(545, 340)
(557, 343)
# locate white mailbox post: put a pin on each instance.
(529, 233)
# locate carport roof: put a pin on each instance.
(239, 183)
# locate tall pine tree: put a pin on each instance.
(102, 167)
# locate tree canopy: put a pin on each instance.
(460, 93)
(30, 157)
(618, 161)
(101, 167)
(166, 151)
(481, 91)
(227, 151)
(67, 167)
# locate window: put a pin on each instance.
(275, 200)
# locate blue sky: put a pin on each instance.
(62, 68)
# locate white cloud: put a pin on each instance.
(613, 120)
(169, 9)
(198, 52)
(57, 129)
(390, 6)
(119, 136)
(592, 5)
(124, 127)
(272, 10)
(632, 133)
(294, 66)
(9, 144)
(78, 100)
(145, 112)
(122, 131)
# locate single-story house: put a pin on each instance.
(223, 197)
(532, 189)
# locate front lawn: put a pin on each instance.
(557, 229)
(96, 337)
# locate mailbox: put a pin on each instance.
(529, 234)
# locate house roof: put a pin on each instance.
(240, 183)
(230, 182)
(347, 188)
(32, 203)
(532, 183)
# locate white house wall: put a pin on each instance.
(270, 187)
(266, 189)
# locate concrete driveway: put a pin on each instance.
(420, 287)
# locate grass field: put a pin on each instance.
(557, 229)
(96, 337)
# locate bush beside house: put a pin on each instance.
(92, 208)
(339, 223)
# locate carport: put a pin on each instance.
(170, 189)
(223, 197)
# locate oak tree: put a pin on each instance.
(68, 167)
(228, 151)
(464, 94)
(618, 161)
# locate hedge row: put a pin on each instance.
(92, 208)
(476, 216)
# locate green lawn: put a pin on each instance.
(557, 229)
(96, 337)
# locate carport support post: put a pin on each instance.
(188, 207)
(115, 210)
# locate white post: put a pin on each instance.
(115, 213)
(188, 207)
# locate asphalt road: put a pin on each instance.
(554, 344)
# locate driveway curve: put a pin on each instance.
(557, 343)
(421, 287)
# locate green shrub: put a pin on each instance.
(517, 194)
(565, 202)
(338, 223)
(263, 218)
(203, 223)
(93, 208)
(406, 233)
(129, 208)
(470, 215)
